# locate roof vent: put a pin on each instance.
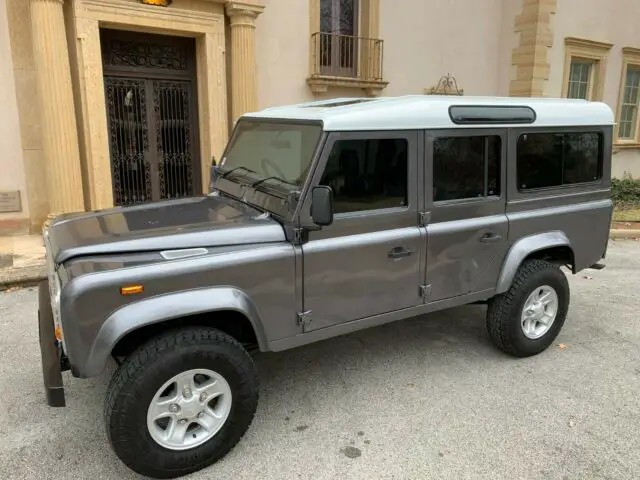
(481, 114)
(340, 103)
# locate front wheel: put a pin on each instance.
(181, 402)
(527, 318)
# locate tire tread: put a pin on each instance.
(150, 351)
(500, 310)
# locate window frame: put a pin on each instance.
(432, 135)
(588, 51)
(394, 214)
(514, 193)
(630, 57)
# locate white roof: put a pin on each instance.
(432, 111)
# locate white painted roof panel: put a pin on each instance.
(432, 112)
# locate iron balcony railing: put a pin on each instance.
(336, 55)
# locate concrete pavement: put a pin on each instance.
(426, 398)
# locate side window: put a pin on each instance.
(368, 174)
(555, 159)
(466, 167)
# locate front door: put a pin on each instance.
(368, 261)
(151, 112)
(467, 226)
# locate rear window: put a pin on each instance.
(547, 160)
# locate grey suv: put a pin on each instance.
(323, 219)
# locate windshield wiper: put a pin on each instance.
(225, 174)
(282, 180)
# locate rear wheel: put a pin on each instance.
(181, 402)
(527, 318)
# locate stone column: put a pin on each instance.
(57, 111)
(244, 88)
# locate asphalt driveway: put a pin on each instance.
(419, 399)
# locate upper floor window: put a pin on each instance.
(547, 160)
(580, 79)
(466, 167)
(346, 51)
(585, 68)
(338, 16)
(338, 37)
(368, 174)
(628, 121)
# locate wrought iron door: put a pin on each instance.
(151, 117)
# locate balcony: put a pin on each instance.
(346, 61)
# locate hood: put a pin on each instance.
(209, 221)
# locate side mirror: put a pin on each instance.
(322, 205)
(213, 173)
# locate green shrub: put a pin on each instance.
(625, 192)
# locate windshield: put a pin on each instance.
(271, 152)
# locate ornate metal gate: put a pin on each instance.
(151, 110)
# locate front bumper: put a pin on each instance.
(49, 350)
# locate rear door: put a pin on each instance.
(467, 227)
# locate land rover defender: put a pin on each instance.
(323, 218)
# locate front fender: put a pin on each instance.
(167, 307)
(522, 249)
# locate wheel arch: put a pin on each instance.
(226, 308)
(554, 245)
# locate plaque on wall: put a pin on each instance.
(10, 202)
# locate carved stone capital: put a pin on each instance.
(241, 13)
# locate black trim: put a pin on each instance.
(51, 368)
(491, 115)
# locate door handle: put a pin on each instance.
(490, 237)
(399, 252)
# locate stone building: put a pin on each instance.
(112, 102)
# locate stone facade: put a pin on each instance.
(252, 54)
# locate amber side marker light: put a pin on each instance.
(160, 3)
(58, 333)
(131, 289)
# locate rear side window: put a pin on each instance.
(548, 160)
(466, 167)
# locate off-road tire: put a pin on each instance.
(138, 378)
(505, 310)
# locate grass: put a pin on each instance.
(629, 214)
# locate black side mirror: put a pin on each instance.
(322, 205)
(213, 173)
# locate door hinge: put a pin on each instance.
(304, 319)
(425, 292)
(298, 234)
(424, 218)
